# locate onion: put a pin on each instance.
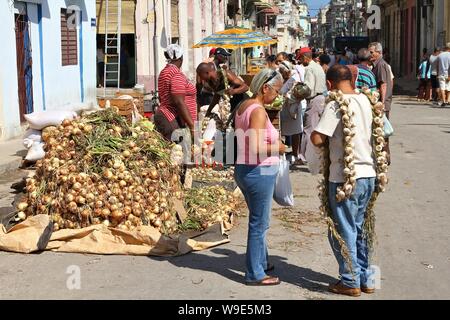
(76, 186)
(113, 199)
(122, 183)
(22, 206)
(154, 174)
(86, 213)
(98, 204)
(117, 215)
(108, 174)
(81, 200)
(21, 215)
(106, 212)
(157, 223)
(126, 153)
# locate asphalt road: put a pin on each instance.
(413, 250)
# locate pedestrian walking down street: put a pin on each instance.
(291, 115)
(424, 77)
(324, 61)
(383, 74)
(385, 83)
(271, 62)
(366, 78)
(178, 105)
(349, 214)
(256, 170)
(434, 61)
(316, 82)
(444, 75)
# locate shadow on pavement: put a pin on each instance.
(231, 265)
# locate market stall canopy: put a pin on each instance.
(236, 38)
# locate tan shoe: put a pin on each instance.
(367, 290)
(339, 288)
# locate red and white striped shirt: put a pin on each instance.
(172, 81)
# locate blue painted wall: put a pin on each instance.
(54, 86)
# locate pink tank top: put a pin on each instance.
(243, 134)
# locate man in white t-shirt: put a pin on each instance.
(444, 75)
(434, 61)
(349, 214)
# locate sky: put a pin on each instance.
(316, 4)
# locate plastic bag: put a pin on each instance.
(388, 129)
(30, 136)
(36, 152)
(283, 190)
(40, 120)
(210, 130)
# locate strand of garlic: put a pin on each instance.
(347, 114)
(378, 139)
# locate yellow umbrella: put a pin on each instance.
(236, 38)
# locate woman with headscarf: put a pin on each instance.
(257, 164)
(291, 115)
(178, 105)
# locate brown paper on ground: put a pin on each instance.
(34, 234)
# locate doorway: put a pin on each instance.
(24, 65)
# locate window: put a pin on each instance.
(69, 47)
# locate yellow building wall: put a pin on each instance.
(447, 20)
(128, 16)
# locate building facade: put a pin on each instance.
(49, 60)
(153, 25)
(293, 25)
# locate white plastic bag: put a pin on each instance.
(30, 136)
(40, 120)
(36, 152)
(282, 193)
(210, 130)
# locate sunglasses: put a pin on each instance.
(273, 75)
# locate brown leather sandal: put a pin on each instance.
(266, 281)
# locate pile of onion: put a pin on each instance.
(98, 169)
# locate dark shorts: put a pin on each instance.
(434, 82)
(164, 126)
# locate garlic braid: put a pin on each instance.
(378, 140)
(346, 190)
(378, 143)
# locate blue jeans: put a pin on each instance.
(349, 215)
(257, 184)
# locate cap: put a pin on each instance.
(305, 50)
(223, 52)
(212, 51)
(174, 51)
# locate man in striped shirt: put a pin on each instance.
(365, 78)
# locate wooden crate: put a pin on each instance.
(139, 97)
(125, 106)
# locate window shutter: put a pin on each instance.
(69, 42)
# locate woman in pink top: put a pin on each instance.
(256, 169)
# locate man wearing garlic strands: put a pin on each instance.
(345, 131)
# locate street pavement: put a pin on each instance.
(413, 252)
